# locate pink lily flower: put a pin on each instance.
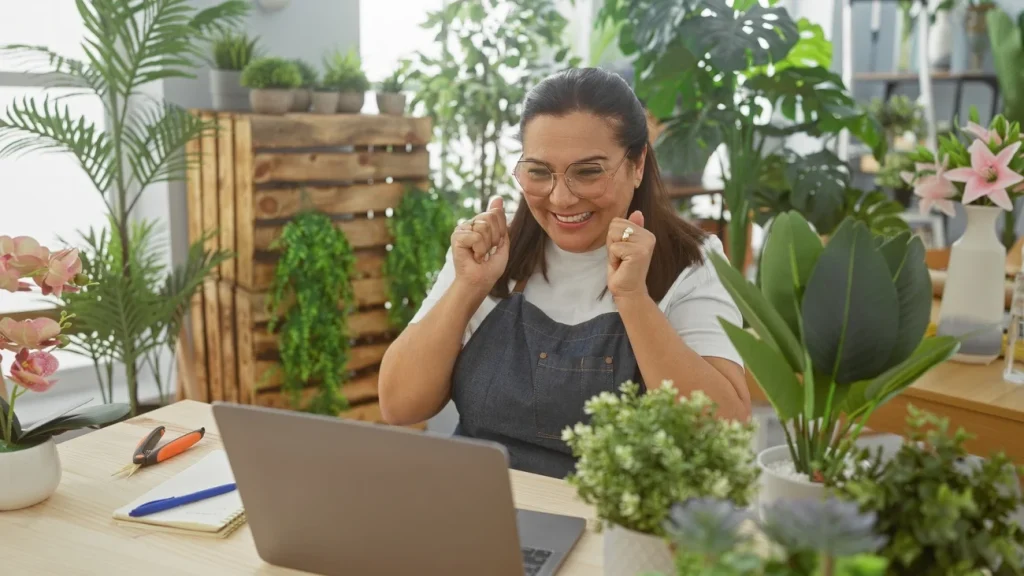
(33, 369)
(989, 174)
(60, 273)
(32, 334)
(986, 135)
(934, 190)
(25, 254)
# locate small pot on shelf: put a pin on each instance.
(631, 553)
(227, 92)
(325, 102)
(392, 104)
(301, 99)
(29, 476)
(351, 102)
(271, 100)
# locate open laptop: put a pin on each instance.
(332, 496)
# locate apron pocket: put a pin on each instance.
(561, 384)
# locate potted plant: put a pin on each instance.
(325, 98)
(836, 332)
(892, 175)
(29, 464)
(901, 119)
(942, 511)
(981, 167)
(302, 96)
(390, 99)
(272, 81)
(639, 453)
(231, 51)
(804, 538)
(344, 70)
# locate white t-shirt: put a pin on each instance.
(572, 295)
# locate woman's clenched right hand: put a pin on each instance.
(480, 248)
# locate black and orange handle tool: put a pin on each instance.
(147, 454)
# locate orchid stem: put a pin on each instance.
(10, 415)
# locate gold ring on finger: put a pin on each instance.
(627, 233)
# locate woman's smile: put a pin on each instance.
(572, 221)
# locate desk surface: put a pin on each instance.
(72, 532)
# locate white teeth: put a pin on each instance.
(575, 218)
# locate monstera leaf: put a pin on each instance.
(650, 25)
(881, 214)
(818, 184)
(735, 41)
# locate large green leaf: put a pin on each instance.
(735, 41)
(789, 256)
(1007, 55)
(869, 394)
(905, 257)
(770, 370)
(881, 214)
(100, 415)
(818, 184)
(759, 313)
(850, 308)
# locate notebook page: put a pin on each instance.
(210, 515)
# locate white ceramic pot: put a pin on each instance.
(269, 101)
(631, 553)
(351, 102)
(227, 91)
(974, 296)
(29, 476)
(325, 102)
(301, 99)
(940, 42)
(776, 486)
(391, 104)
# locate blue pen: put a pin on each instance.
(173, 502)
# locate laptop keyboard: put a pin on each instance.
(534, 559)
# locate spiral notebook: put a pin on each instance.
(215, 517)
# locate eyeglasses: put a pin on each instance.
(587, 180)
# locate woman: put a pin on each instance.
(596, 281)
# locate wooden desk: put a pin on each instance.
(72, 533)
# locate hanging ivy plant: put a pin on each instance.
(312, 276)
(421, 227)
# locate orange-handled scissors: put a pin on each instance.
(147, 454)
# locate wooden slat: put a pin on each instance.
(244, 220)
(369, 264)
(226, 191)
(361, 233)
(245, 334)
(193, 183)
(211, 216)
(370, 292)
(309, 130)
(229, 361)
(360, 325)
(356, 199)
(338, 166)
(213, 339)
(356, 391)
(268, 375)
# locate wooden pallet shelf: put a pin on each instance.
(255, 173)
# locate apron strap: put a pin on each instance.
(519, 287)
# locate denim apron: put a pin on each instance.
(523, 378)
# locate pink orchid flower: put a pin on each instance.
(934, 190)
(31, 334)
(33, 369)
(25, 254)
(989, 174)
(986, 135)
(60, 273)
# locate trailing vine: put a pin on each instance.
(312, 276)
(420, 227)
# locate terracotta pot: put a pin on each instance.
(351, 102)
(325, 102)
(227, 91)
(301, 99)
(29, 476)
(391, 104)
(270, 101)
(631, 553)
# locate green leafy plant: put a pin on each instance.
(344, 72)
(942, 514)
(395, 83)
(640, 453)
(309, 75)
(310, 301)
(128, 44)
(41, 431)
(421, 227)
(881, 214)
(807, 537)
(492, 52)
(898, 115)
(838, 331)
(1005, 36)
(891, 173)
(234, 50)
(271, 73)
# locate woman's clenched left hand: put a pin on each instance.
(629, 259)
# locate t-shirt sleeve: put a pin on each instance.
(444, 279)
(696, 302)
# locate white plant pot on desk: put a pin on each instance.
(781, 481)
(29, 476)
(631, 553)
(974, 295)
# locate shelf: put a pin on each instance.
(913, 77)
(676, 191)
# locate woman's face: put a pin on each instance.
(604, 180)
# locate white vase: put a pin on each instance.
(974, 295)
(631, 553)
(29, 476)
(940, 42)
(776, 485)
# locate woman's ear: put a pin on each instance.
(638, 169)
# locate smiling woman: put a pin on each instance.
(595, 281)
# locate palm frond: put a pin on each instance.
(157, 42)
(103, 20)
(62, 72)
(155, 138)
(30, 126)
(185, 280)
(219, 18)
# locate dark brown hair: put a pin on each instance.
(604, 95)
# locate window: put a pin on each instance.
(389, 31)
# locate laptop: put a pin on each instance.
(334, 496)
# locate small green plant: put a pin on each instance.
(234, 50)
(421, 227)
(898, 115)
(309, 75)
(875, 209)
(395, 83)
(271, 73)
(344, 72)
(891, 174)
(809, 537)
(640, 453)
(942, 515)
(310, 301)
